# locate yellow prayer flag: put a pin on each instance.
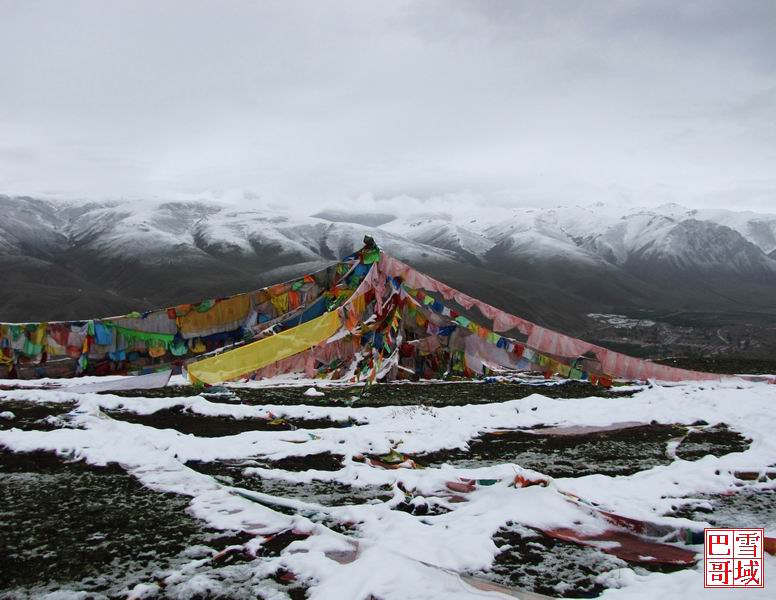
(251, 357)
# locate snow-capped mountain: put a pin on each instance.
(165, 232)
(671, 236)
(440, 231)
(71, 259)
(173, 232)
(67, 259)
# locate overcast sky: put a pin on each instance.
(324, 102)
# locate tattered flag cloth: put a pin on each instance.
(539, 338)
(248, 358)
(382, 319)
(171, 336)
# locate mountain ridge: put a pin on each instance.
(77, 258)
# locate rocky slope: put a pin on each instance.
(708, 277)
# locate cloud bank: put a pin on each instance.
(345, 103)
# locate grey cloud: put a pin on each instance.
(329, 103)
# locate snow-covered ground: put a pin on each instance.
(375, 550)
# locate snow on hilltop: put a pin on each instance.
(77, 258)
(148, 231)
(151, 231)
(706, 239)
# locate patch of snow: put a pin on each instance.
(621, 321)
(427, 552)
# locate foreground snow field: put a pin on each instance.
(384, 532)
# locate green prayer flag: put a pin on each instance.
(205, 305)
(371, 256)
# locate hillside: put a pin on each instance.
(681, 281)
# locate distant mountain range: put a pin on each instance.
(692, 281)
